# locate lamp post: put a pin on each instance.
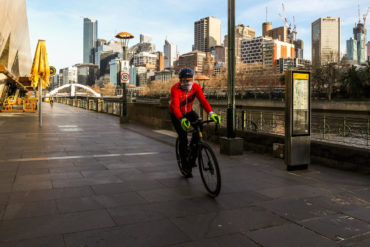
(231, 144)
(231, 70)
(201, 80)
(124, 38)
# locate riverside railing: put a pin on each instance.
(354, 131)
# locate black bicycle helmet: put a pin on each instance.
(186, 73)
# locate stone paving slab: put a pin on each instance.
(289, 235)
(19, 210)
(337, 227)
(153, 233)
(54, 241)
(33, 227)
(106, 184)
(232, 240)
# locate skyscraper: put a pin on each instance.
(359, 33)
(207, 33)
(351, 46)
(325, 41)
(170, 54)
(89, 39)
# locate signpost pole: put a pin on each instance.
(124, 37)
(123, 118)
(40, 102)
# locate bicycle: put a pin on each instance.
(207, 161)
(345, 131)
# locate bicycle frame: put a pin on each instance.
(196, 131)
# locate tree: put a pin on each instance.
(356, 81)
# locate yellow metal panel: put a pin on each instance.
(300, 76)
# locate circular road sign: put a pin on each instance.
(125, 77)
(52, 70)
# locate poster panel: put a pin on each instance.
(301, 104)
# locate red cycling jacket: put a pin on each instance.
(182, 101)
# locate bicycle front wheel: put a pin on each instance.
(209, 170)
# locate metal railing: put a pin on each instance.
(110, 106)
(348, 130)
(354, 131)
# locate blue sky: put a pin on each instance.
(60, 23)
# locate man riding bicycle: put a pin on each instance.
(183, 95)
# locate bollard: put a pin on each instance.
(250, 120)
(324, 127)
(368, 132)
(344, 129)
(261, 119)
(243, 119)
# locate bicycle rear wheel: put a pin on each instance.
(183, 171)
(209, 170)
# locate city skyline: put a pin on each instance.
(63, 31)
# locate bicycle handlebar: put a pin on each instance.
(202, 122)
(199, 122)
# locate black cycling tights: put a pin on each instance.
(183, 137)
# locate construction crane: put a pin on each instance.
(365, 16)
(292, 34)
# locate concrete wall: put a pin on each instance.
(153, 115)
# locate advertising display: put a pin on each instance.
(300, 113)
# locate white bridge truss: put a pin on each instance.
(73, 90)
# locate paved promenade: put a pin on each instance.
(84, 180)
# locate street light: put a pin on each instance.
(124, 38)
(231, 70)
(201, 79)
(231, 144)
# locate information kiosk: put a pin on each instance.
(297, 119)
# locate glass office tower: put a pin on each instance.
(90, 37)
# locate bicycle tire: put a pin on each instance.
(252, 126)
(205, 151)
(178, 158)
(346, 133)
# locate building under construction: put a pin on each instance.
(356, 46)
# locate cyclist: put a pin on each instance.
(183, 95)
(51, 101)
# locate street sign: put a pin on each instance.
(52, 70)
(125, 77)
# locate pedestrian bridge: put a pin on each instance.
(73, 90)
